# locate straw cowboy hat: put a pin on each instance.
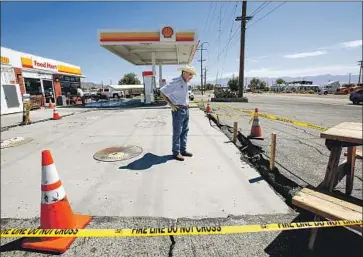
(188, 68)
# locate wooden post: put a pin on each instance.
(272, 151)
(235, 129)
(350, 169)
(218, 123)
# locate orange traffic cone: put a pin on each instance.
(56, 115)
(208, 109)
(55, 212)
(50, 103)
(256, 132)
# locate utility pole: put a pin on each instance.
(205, 76)
(360, 71)
(243, 20)
(201, 49)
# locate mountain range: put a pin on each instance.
(319, 79)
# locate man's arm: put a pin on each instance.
(168, 90)
(173, 107)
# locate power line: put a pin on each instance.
(260, 8)
(266, 14)
(206, 22)
(214, 11)
(229, 38)
(218, 18)
(201, 64)
(224, 15)
(233, 38)
(236, 32)
(219, 40)
(228, 43)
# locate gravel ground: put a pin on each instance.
(301, 155)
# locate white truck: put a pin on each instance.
(109, 92)
(329, 88)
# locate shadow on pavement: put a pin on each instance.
(16, 246)
(331, 242)
(147, 161)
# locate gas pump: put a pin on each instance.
(149, 87)
(163, 83)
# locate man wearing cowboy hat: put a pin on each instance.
(176, 93)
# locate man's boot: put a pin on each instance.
(179, 157)
(187, 154)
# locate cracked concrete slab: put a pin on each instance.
(282, 244)
(213, 183)
(122, 247)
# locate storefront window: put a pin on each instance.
(33, 86)
(48, 89)
(65, 87)
(69, 84)
(65, 78)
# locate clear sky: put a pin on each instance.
(302, 38)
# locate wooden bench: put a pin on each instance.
(326, 206)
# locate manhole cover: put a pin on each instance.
(117, 153)
(15, 141)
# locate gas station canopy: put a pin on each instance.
(160, 47)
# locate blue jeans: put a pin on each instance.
(180, 130)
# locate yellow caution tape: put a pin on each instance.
(227, 114)
(173, 231)
(295, 122)
(273, 117)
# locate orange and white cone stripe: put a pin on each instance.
(52, 188)
(56, 115)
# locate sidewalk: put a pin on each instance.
(15, 119)
(213, 183)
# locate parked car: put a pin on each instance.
(356, 97)
(191, 95)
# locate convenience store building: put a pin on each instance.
(23, 73)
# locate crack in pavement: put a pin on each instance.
(314, 148)
(171, 246)
(172, 239)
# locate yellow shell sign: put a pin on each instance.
(5, 60)
(66, 69)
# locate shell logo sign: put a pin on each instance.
(66, 69)
(5, 60)
(27, 62)
(167, 32)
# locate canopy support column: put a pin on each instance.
(153, 61)
(160, 76)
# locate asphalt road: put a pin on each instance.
(301, 154)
